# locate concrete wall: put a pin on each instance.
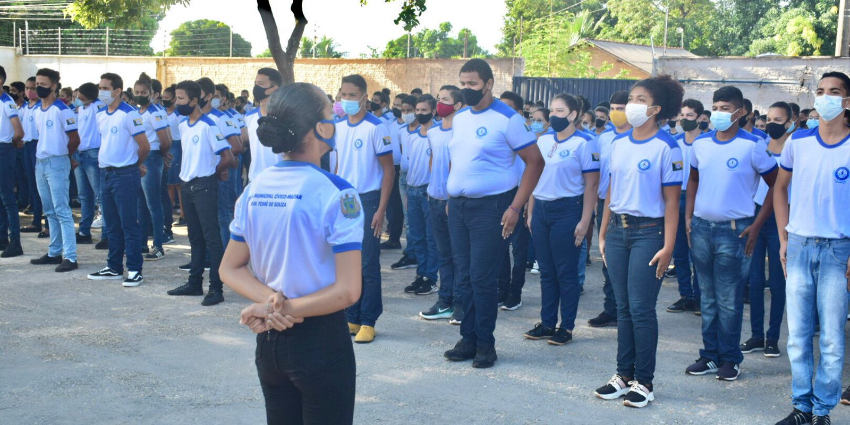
(75, 70)
(599, 57)
(763, 80)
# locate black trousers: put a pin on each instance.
(395, 211)
(308, 372)
(200, 207)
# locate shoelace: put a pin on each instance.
(616, 381)
(638, 388)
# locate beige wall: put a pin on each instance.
(75, 70)
(599, 57)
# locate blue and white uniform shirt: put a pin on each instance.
(154, 119)
(262, 157)
(358, 148)
(8, 110)
(567, 161)
(605, 142)
(438, 140)
(202, 144)
(87, 125)
(54, 124)
(118, 129)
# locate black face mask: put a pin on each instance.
(167, 103)
(260, 93)
(688, 125)
(424, 118)
(600, 123)
(202, 102)
(526, 114)
(14, 96)
(396, 112)
(775, 130)
(142, 100)
(185, 110)
(472, 97)
(703, 125)
(43, 92)
(743, 121)
(374, 107)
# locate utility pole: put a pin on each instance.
(666, 20)
(231, 41)
(520, 36)
(408, 44)
(465, 43)
(27, 33)
(842, 37)
(107, 41)
(59, 39)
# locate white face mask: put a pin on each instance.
(105, 96)
(829, 106)
(636, 114)
(408, 118)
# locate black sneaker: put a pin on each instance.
(44, 234)
(616, 387)
(66, 266)
(796, 417)
(845, 397)
(684, 304)
(440, 310)
(588, 262)
(154, 254)
(702, 366)
(106, 274)
(13, 249)
(461, 352)
(405, 263)
(133, 280)
(410, 289)
(103, 244)
(485, 357)
(752, 344)
(390, 245)
(821, 420)
(529, 265)
(214, 296)
(457, 315)
(83, 239)
(639, 395)
(670, 273)
(187, 289)
(168, 239)
(697, 307)
(30, 229)
(728, 371)
(426, 287)
(180, 222)
(602, 321)
(46, 259)
(512, 302)
(188, 266)
(561, 337)
(539, 332)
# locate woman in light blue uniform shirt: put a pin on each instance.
(301, 230)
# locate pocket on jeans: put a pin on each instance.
(794, 248)
(840, 252)
(258, 352)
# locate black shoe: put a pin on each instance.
(4, 243)
(187, 289)
(670, 272)
(461, 352)
(697, 307)
(66, 266)
(426, 287)
(845, 397)
(796, 417)
(561, 337)
(539, 332)
(390, 245)
(103, 244)
(106, 274)
(588, 262)
(179, 223)
(485, 357)
(154, 254)
(168, 240)
(214, 296)
(752, 344)
(512, 302)
(13, 249)
(44, 234)
(639, 395)
(30, 229)
(186, 267)
(83, 240)
(602, 321)
(529, 265)
(133, 279)
(28, 210)
(440, 310)
(684, 304)
(702, 366)
(616, 387)
(411, 289)
(74, 203)
(728, 371)
(46, 259)
(771, 349)
(457, 315)
(821, 420)
(405, 263)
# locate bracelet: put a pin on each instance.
(513, 209)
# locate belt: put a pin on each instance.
(113, 169)
(635, 221)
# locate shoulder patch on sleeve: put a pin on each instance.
(349, 206)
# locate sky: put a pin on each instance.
(353, 27)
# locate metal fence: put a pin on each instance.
(544, 89)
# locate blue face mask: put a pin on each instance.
(722, 120)
(537, 127)
(216, 103)
(332, 140)
(351, 107)
(792, 128)
(77, 103)
(812, 123)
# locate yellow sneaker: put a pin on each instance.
(353, 329)
(366, 335)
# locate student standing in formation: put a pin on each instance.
(617, 113)
(408, 116)
(722, 227)
(123, 150)
(165, 199)
(267, 81)
(11, 139)
(150, 197)
(57, 126)
(767, 244)
(642, 211)
(485, 203)
(689, 293)
(305, 265)
(176, 152)
(30, 148)
(87, 173)
(365, 160)
(747, 122)
(206, 162)
(815, 250)
(562, 205)
(220, 101)
(395, 208)
(448, 304)
(383, 101)
(600, 124)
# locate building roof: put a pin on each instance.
(638, 55)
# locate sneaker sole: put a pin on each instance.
(90, 277)
(410, 266)
(171, 242)
(728, 379)
(559, 344)
(612, 396)
(604, 325)
(752, 350)
(627, 403)
(534, 272)
(435, 316)
(675, 311)
(709, 371)
(132, 284)
(154, 258)
(772, 356)
(429, 292)
(455, 322)
(845, 402)
(503, 308)
(536, 338)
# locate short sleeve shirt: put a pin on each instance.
(202, 144)
(438, 139)
(27, 116)
(174, 125)
(8, 110)
(54, 124)
(358, 147)
(419, 159)
(87, 125)
(605, 142)
(154, 119)
(566, 163)
(262, 157)
(682, 141)
(118, 129)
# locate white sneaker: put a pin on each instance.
(98, 222)
(638, 396)
(133, 280)
(535, 269)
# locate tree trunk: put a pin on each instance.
(283, 59)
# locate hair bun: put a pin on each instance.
(274, 133)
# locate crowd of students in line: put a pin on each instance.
(477, 181)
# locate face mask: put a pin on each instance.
(260, 93)
(202, 102)
(338, 109)
(31, 95)
(722, 120)
(792, 128)
(775, 130)
(688, 125)
(43, 92)
(185, 110)
(142, 100)
(397, 112)
(444, 110)
(167, 103)
(585, 126)
(351, 107)
(472, 97)
(829, 106)
(526, 114)
(216, 103)
(375, 107)
(636, 114)
(424, 118)
(14, 96)
(408, 118)
(743, 121)
(332, 140)
(703, 125)
(559, 124)
(812, 123)
(537, 127)
(600, 123)
(78, 103)
(105, 96)
(618, 118)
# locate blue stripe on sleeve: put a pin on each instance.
(351, 246)
(533, 142)
(237, 238)
(671, 184)
(786, 168)
(770, 170)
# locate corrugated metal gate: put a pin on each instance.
(595, 90)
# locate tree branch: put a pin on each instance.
(283, 59)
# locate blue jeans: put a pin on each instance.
(512, 279)
(395, 211)
(582, 262)
(52, 176)
(226, 204)
(119, 192)
(440, 229)
(767, 244)
(420, 234)
(23, 194)
(553, 224)
(402, 187)
(167, 212)
(35, 198)
(370, 306)
(87, 175)
(816, 284)
(722, 267)
(478, 249)
(150, 197)
(10, 226)
(630, 244)
(688, 281)
(609, 305)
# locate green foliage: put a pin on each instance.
(118, 13)
(806, 29)
(524, 16)
(205, 37)
(265, 54)
(642, 22)
(551, 50)
(325, 48)
(410, 12)
(435, 43)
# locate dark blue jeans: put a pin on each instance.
(167, 212)
(553, 224)
(609, 306)
(688, 282)
(226, 204)
(440, 228)
(478, 249)
(630, 244)
(512, 279)
(395, 211)
(370, 306)
(723, 269)
(87, 175)
(119, 192)
(150, 198)
(9, 223)
(421, 235)
(767, 244)
(35, 200)
(23, 194)
(200, 206)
